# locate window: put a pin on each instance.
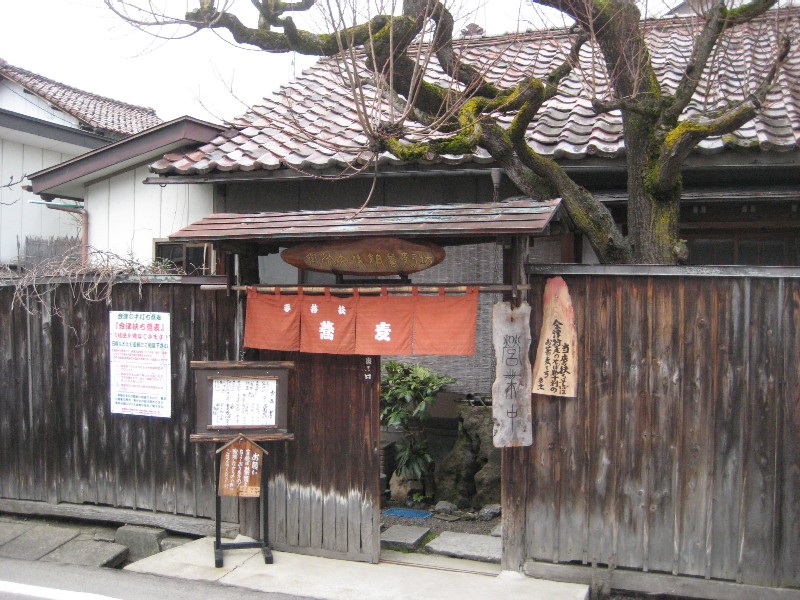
(193, 259)
(745, 248)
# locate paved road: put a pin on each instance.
(70, 582)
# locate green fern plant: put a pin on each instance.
(407, 393)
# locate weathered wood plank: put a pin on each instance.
(339, 406)
(79, 427)
(650, 583)
(634, 384)
(765, 374)
(354, 523)
(599, 371)
(543, 503)
(316, 474)
(304, 446)
(572, 450)
(789, 532)
(22, 328)
(186, 481)
(60, 451)
(666, 374)
(12, 341)
(100, 443)
(38, 333)
(730, 398)
(517, 524)
(107, 514)
(278, 528)
(696, 434)
(163, 435)
(45, 406)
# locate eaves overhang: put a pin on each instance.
(69, 179)
(731, 166)
(39, 128)
(460, 223)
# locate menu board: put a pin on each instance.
(238, 402)
(250, 397)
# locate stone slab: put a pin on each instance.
(173, 541)
(105, 535)
(37, 542)
(497, 531)
(141, 541)
(443, 517)
(403, 537)
(9, 531)
(89, 553)
(484, 548)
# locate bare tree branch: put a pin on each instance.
(717, 20)
(685, 136)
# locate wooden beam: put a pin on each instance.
(245, 364)
(107, 514)
(652, 583)
(369, 289)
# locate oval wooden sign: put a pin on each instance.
(366, 256)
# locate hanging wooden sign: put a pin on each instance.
(368, 256)
(511, 391)
(241, 463)
(554, 372)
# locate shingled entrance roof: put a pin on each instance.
(311, 123)
(98, 112)
(456, 221)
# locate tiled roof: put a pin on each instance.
(311, 123)
(100, 113)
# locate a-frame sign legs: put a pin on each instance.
(264, 543)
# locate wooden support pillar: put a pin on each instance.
(513, 496)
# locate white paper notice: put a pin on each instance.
(139, 351)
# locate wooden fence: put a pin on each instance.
(59, 442)
(680, 453)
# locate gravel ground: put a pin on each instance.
(468, 522)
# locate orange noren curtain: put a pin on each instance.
(272, 321)
(446, 324)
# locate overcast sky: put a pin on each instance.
(83, 44)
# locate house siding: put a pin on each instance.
(13, 97)
(18, 217)
(126, 216)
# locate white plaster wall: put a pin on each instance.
(18, 217)
(125, 215)
(14, 98)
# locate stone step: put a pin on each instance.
(403, 537)
(484, 548)
(89, 553)
(37, 541)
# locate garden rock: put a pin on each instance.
(489, 512)
(401, 488)
(470, 474)
(445, 507)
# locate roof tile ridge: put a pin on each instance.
(5, 67)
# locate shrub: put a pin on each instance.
(407, 393)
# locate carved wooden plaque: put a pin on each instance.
(368, 256)
(511, 391)
(241, 463)
(554, 372)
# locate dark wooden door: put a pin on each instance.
(324, 486)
